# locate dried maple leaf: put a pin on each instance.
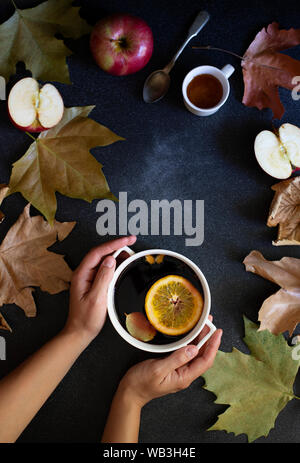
(3, 193)
(281, 311)
(28, 36)
(25, 261)
(257, 386)
(285, 212)
(3, 324)
(264, 69)
(3, 190)
(59, 160)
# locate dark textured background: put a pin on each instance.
(168, 153)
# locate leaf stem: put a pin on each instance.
(243, 58)
(296, 397)
(31, 136)
(209, 47)
(12, 1)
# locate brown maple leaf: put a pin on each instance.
(3, 324)
(30, 35)
(25, 261)
(281, 311)
(264, 69)
(3, 191)
(285, 212)
(59, 160)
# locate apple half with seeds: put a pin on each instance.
(278, 154)
(139, 327)
(34, 109)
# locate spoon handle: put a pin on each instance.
(198, 24)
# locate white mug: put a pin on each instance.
(221, 74)
(160, 348)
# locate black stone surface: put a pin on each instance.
(168, 154)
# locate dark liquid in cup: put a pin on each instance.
(205, 91)
(138, 277)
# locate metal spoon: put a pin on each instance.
(157, 84)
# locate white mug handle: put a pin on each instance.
(212, 329)
(126, 249)
(228, 70)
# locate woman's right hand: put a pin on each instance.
(157, 377)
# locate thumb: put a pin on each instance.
(104, 276)
(179, 358)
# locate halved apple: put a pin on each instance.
(32, 108)
(278, 155)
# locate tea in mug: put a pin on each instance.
(143, 282)
(205, 91)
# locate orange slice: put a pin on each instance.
(173, 305)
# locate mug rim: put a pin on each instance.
(158, 348)
(224, 96)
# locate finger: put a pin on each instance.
(85, 273)
(184, 355)
(179, 358)
(103, 278)
(202, 363)
(92, 259)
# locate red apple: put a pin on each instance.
(33, 109)
(121, 44)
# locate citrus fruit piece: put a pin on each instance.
(173, 305)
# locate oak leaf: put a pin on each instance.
(28, 36)
(281, 311)
(60, 160)
(26, 263)
(285, 212)
(265, 69)
(257, 386)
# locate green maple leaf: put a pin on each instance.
(60, 160)
(28, 36)
(257, 386)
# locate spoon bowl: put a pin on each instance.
(156, 86)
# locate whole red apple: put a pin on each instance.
(121, 44)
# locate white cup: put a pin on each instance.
(160, 348)
(221, 74)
